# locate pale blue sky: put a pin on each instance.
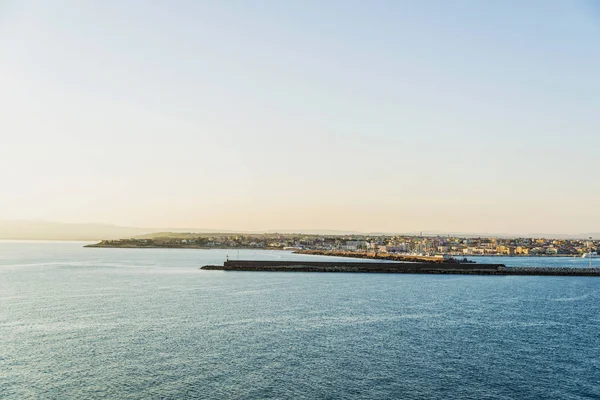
(361, 115)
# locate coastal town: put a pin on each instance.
(400, 244)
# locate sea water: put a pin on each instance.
(90, 323)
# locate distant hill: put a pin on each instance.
(332, 232)
(47, 230)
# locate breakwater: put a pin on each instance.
(396, 267)
(347, 266)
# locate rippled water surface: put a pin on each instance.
(81, 323)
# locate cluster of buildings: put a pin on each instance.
(418, 245)
(459, 246)
(489, 246)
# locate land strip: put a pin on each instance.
(382, 256)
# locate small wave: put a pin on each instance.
(578, 298)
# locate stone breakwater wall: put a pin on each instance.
(396, 267)
(549, 271)
(344, 266)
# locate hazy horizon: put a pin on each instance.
(384, 116)
(52, 230)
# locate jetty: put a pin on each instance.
(355, 266)
(395, 267)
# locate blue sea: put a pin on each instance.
(86, 323)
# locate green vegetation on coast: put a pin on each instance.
(193, 241)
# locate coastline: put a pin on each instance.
(378, 256)
(403, 256)
(333, 253)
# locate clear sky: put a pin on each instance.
(472, 116)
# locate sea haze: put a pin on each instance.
(124, 323)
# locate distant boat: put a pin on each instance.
(592, 254)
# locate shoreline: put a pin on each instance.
(332, 253)
(403, 256)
